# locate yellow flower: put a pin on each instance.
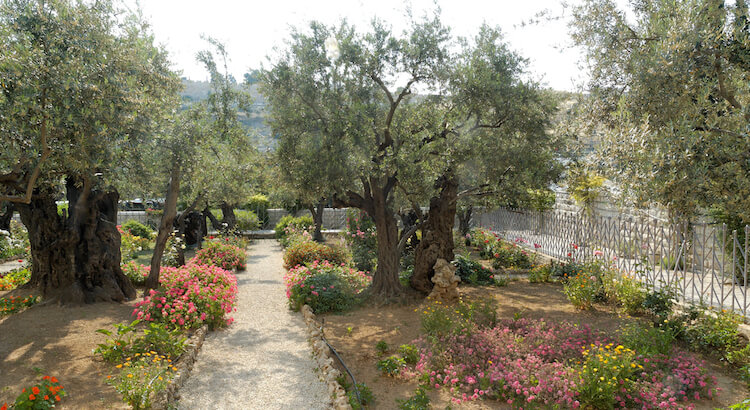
(119, 366)
(130, 375)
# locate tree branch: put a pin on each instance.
(724, 92)
(26, 198)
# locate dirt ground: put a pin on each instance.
(59, 341)
(399, 324)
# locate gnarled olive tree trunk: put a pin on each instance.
(228, 216)
(76, 257)
(437, 234)
(7, 215)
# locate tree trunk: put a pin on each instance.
(6, 216)
(385, 282)
(76, 259)
(464, 220)
(215, 223)
(165, 227)
(437, 234)
(228, 217)
(317, 214)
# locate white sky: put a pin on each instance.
(251, 29)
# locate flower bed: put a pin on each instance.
(534, 363)
(305, 252)
(15, 278)
(190, 296)
(216, 253)
(502, 253)
(13, 304)
(324, 286)
(136, 272)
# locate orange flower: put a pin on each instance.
(53, 380)
(57, 398)
(45, 378)
(23, 390)
(35, 390)
(32, 397)
(46, 397)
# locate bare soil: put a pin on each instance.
(59, 341)
(398, 324)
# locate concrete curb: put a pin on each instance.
(163, 399)
(328, 373)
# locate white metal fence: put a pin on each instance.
(703, 263)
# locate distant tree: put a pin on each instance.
(81, 86)
(669, 91)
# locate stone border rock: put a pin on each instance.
(163, 399)
(328, 373)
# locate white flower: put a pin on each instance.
(4, 233)
(332, 48)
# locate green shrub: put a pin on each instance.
(221, 254)
(462, 318)
(582, 289)
(410, 353)
(136, 272)
(391, 366)
(381, 347)
(259, 204)
(362, 240)
(540, 274)
(302, 253)
(324, 292)
(138, 229)
(714, 331)
(507, 255)
(739, 357)
(659, 303)
(625, 291)
(420, 401)
(472, 272)
(290, 222)
(648, 340)
(247, 220)
(124, 342)
(365, 394)
(14, 243)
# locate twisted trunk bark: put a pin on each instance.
(317, 214)
(437, 234)
(228, 216)
(76, 259)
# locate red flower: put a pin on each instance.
(569, 254)
(53, 380)
(35, 390)
(4, 406)
(20, 261)
(32, 397)
(46, 397)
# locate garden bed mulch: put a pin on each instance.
(59, 341)
(399, 324)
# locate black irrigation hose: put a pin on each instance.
(354, 382)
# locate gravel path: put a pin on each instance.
(262, 361)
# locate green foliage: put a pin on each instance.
(381, 347)
(13, 304)
(125, 342)
(624, 290)
(668, 94)
(604, 368)
(391, 366)
(440, 320)
(745, 404)
(136, 272)
(362, 240)
(739, 357)
(419, 401)
(131, 245)
(659, 302)
(365, 393)
(289, 222)
(41, 396)
(138, 229)
(472, 272)
(712, 330)
(15, 243)
(324, 292)
(584, 186)
(221, 254)
(259, 204)
(305, 252)
(139, 380)
(540, 274)
(648, 340)
(247, 220)
(15, 278)
(410, 353)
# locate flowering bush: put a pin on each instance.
(324, 286)
(305, 252)
(190, 296)
(124, 344)
(290, 223)
(225, 256)
(13, 304)
(582, 289)
(131, 244)
(15, 278)
(361, 239)
(247, 220)
(136, 272)
(138, 229)
(535, 364)
(139, 378)
(233, 240)
(40, 396)
(504, 254)
(472, 272)
(14, 243)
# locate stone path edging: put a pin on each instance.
(163, 399)
(328, 373)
